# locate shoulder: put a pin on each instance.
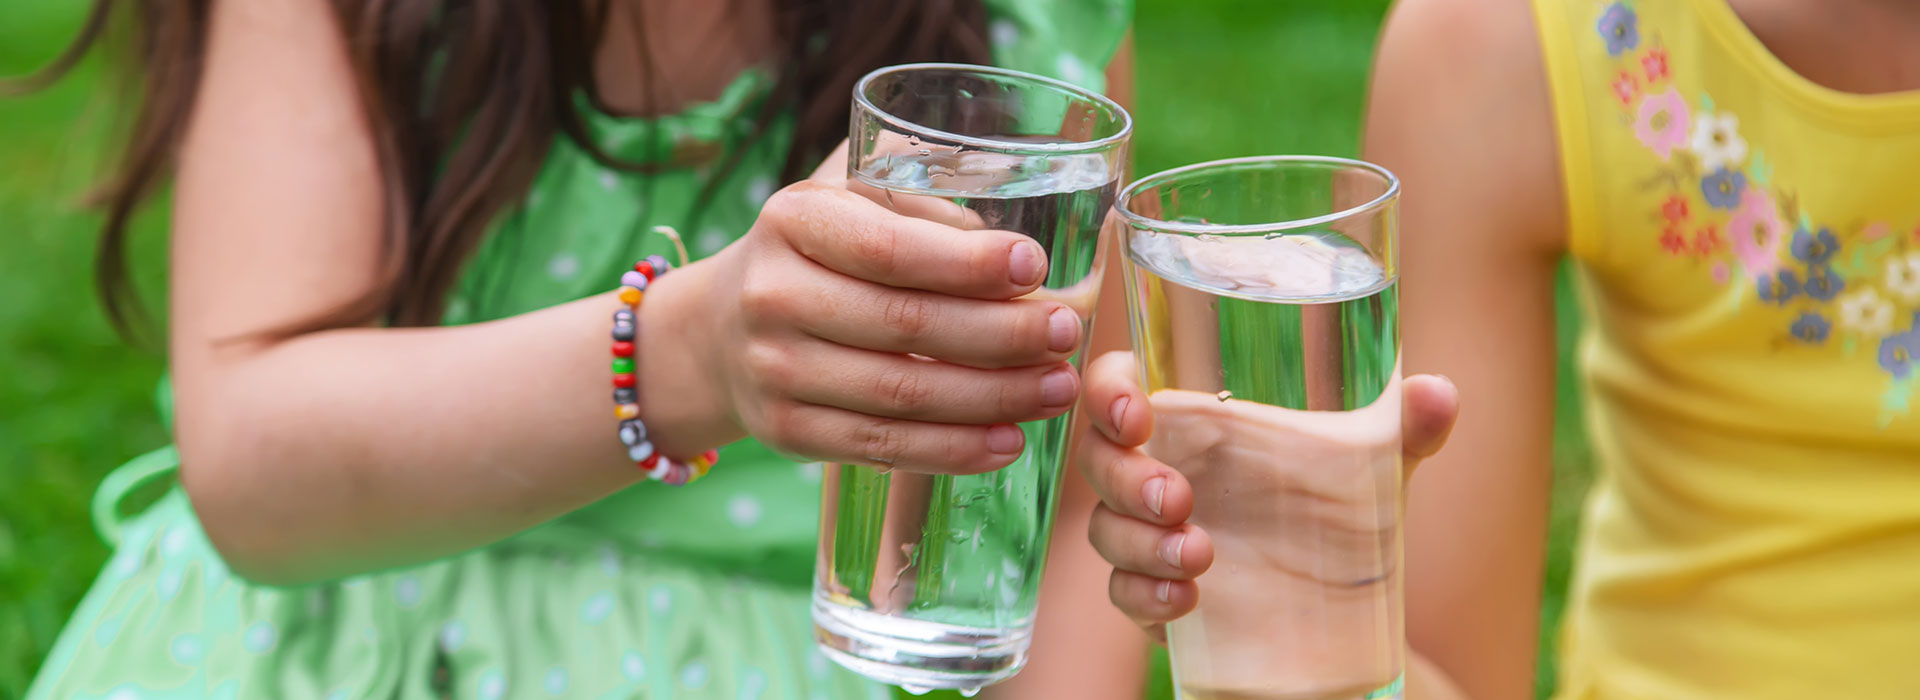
(1460, 99)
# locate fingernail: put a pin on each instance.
(1027, 263)
(1058, 388)
(1170, 548)
(1005, 439)
(1118, 413)
(1154, 490)
(1063, 329)
(1164, 591)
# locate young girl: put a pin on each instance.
(1733, 181)
(399, 476)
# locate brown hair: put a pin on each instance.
(464, 98)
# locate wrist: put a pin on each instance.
(680, 396)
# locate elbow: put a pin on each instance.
(247, 520)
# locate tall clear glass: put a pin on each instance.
(1261, 293)
(929, 581)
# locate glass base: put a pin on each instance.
(918, 655)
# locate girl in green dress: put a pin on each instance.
(394, 225)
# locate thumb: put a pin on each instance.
(1432, 404)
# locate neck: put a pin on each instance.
(658, 56)
(1859, 46)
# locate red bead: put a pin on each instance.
(622, 348)
(651, 460)
(645, 268)
(713, 456)
(623, 381)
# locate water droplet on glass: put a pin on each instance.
(1208, 237)
(1223, 395)
(916, 689)
(913, 140)
(1275, 234)
(969, 692)
(926, 151)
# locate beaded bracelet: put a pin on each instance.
(626, 394)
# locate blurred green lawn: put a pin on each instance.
(1218, 78)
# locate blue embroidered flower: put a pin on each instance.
(1822, 284)
(1779, 288)
(1814, 248)
(1900, 351)
(1722, 188)
(1811, 327)
(1620, 28)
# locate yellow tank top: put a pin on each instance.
(1748, 244)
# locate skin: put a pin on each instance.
(1476, 513)
(344, 451)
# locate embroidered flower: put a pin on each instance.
(1674, 209)
(1814, 248)
(1779, 288)
(1722, 188)
(1757, 233)
(1673, 241)
(1867, 312)
(1663, 122)
(1707, 240)
(1620, 28)
(1900, 351)
(1655, 64)
(1822, 284)
(1903, 277)
(1625, 89)
(1811, 327)
(1716, 140)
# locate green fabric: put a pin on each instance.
(654, 592)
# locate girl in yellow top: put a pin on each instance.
(1738, 184)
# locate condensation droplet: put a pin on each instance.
(1223, 395)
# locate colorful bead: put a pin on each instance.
(622, 348)
(712, 456)
(626, 411)
(623, 331)
(678, 475)
(657, 468)
(632, 432)
(622, 316)
(643, 269)
(626, 394)
(634, 280)
(660, 266)
(630, 296)
(623, 380)
(640, 452)
(623, 365)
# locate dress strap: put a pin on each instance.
(108, 518)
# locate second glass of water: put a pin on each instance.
(1262, 299)
(928, 581)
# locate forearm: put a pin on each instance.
(350, 450)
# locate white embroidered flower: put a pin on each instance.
(1716, 140)
(1903, 277)
(1867, 312)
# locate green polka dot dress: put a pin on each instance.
(655, 592)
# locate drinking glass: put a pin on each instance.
(1262, 300)
(928, 581)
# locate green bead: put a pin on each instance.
(623, 365)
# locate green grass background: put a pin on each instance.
(1216, 78)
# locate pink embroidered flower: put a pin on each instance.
(1625, 89)
(1720, 273)
(1662, 125)
(1875, 231)
(1674, 209)
(1673, 241)
(1757, 233)
(1655, 63)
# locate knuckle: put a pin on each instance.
(778, 422)
(770, 364)
(762, 300)
(909, 316)
(877, 247)
(882, 441)
(902, 389)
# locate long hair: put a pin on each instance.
(465, 97)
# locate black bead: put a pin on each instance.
(623, 331)
(626, 394)
(623, 315)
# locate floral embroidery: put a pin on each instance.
(1722, 189)
(1842, 287)
(1717, 142)
(1620, 28)
(1662, 125)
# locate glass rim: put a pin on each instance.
(1104, 143)
(1134, 189)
